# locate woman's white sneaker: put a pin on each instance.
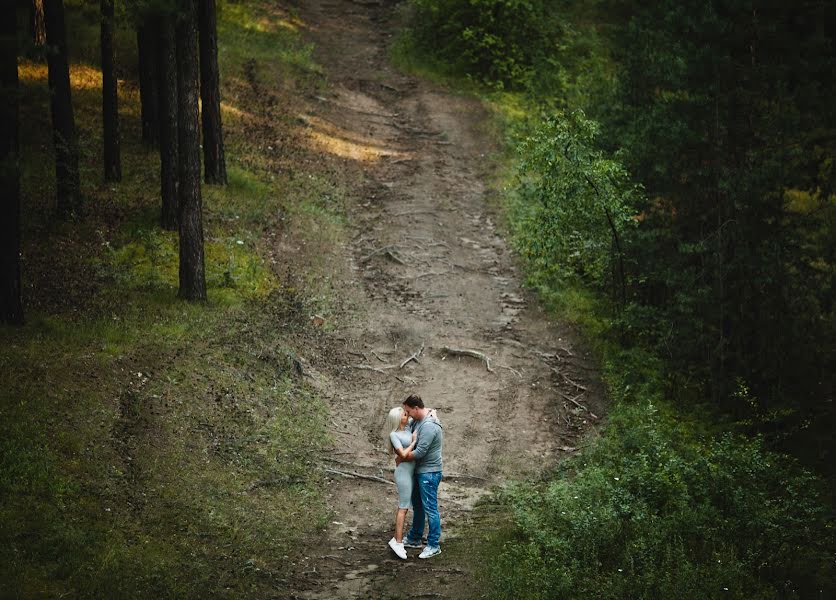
(397, 548)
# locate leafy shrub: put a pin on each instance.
(651, 512)
(571, 201)
(499, 42)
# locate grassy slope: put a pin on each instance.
(150, 447)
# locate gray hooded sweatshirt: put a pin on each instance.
(428, 451)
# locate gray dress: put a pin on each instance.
(403, 472)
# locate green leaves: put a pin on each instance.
(571, 201)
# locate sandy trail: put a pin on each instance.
(429, 268)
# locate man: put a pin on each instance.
(427, 457)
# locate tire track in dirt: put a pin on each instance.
(427, 267)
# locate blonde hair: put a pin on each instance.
(393, 423)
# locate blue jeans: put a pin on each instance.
(425, 508)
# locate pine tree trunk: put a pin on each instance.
(63, 122)
(11, 309)
(38, 22)
(110, 98)
(189, 217)
(210, 94)
(168, 123)
(146, 42)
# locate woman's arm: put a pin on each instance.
(402, 452)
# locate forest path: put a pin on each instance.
(427, 268)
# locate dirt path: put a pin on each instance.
(429, 269)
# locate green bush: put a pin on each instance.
(651, 512)
(571, 203)
(497, 42)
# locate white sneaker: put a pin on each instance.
(397, 548)
(429, 552)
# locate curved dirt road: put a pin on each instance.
(428, 269)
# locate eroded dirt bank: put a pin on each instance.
(427, 268)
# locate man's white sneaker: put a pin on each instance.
(397, 548)
(429, 552)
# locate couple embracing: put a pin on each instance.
(416, 438)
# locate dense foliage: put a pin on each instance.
(653, 513)
(698, 207)
(498, 42)
(725, 113)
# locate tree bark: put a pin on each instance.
(189, 217)
(64, 134)
(146, 42)
(11, 307)
(38, 22)
(210, 94)
(110, 98)
(168, 123)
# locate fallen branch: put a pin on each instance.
(403, 380)
(570, 382)
(337, 559)
(514, 371)
(578, 404)
(377, 356)
(360, 476)
(392, 256)
(371, 368)
(378, 251)
(471, 353)
(358, 354)
(415, 356)
(430, 274)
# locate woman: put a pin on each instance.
(401, 442)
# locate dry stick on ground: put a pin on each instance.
(359, 354)
(359, 476)
(570, 382)
(578, 404)
(379, 251)
(414, 356)
(431, 274)
(513, 370)
(335, 558)
(371, 368)
(377, 356)
(406, 380)
(471, 353)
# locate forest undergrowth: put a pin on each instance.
(151, 447)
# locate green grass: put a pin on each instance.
(151, 447)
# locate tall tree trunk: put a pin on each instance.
(189, 217)
(146, 42)
(11, 308)
(110, 98)
(210, 95)
(64, 134)
(168, 123)
(38, 22)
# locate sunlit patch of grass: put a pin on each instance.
(264, 39)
